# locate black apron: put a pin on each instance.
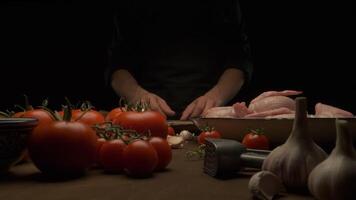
(175, 49)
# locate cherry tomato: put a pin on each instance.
(150, 123)
(171, 131)
(43, 116)
(113, 113)
(111, 156)
(140, 158)
(100, 142)
(208, 134)
(164, 152)
(74, 112)
(18, 114)
(90, 117)
(63, 147)
(254, 140)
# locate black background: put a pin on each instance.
(59, 48)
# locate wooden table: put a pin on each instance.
(184, 179)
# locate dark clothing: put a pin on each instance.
(179, 49)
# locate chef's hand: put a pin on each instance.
(125, 85)
(156, 103)
(202, 104)
(227, 87)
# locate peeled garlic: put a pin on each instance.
(295, 159)
(186, 135)
(176, 142)
(335, 177)
(265, 185)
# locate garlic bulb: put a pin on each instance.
(296, 158)
(187, 135)
(335, 177)
(265, 185)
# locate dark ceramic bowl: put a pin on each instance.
(14, 133)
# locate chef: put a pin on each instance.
(183, 57)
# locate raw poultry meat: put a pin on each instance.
(273, 112)
(224, 112)
(276, 93)
(323, 110)
(266, 104)
(273, 104)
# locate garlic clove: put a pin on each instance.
(265, 185)
(187, 135)
(176, 142)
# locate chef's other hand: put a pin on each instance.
(201, 105)
(156, 103)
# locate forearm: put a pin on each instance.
(228, 86)
(125, 85)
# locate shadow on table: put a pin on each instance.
(38, 177)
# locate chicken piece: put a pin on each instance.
(276, 93)
(281, 116)
(266, 104)
(323, 110)
(271, 103)
(220, 112)
(241, 109)
(287, 116)
(272, 112)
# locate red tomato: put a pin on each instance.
(254, 140)
(113, 113)
(43, 116)
(143, 122)
(164, 152)
(171, 131)
(90, 117)
(18, 114)
(208, 134)
(74, 112)
(100, 142)
(140, 158)
(63, 147)
(111, 156)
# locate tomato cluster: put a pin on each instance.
(67, 141)
(64, 144)
(137, 158)
(139, 148)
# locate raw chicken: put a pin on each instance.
(273, 104)
(281, 116)
(241, 109)
(273, 112)
(275, 93)
(323, 110)
(266, 104)
(216, 112)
